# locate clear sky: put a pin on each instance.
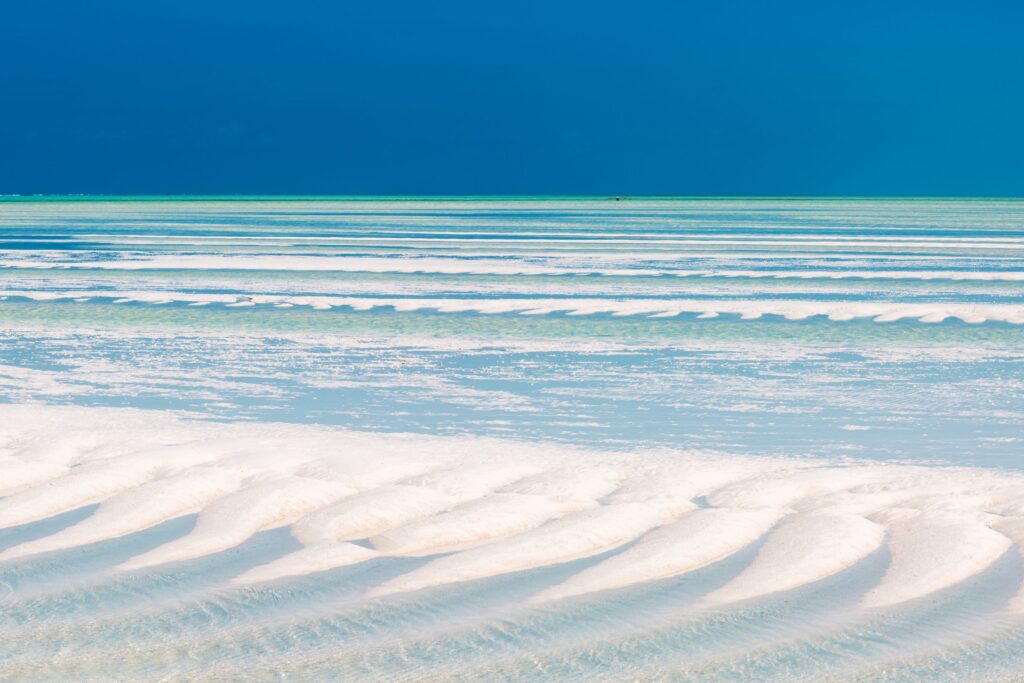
(481, 97)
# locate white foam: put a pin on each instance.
(821, 274)
(749, 309)
(485, 265)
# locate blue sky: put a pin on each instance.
(331, 97)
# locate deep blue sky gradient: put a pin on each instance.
(333, 97)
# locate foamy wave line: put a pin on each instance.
(369, 264)
(585, 239)
(416, 230)
(442, 266)
(656, 308)
(481, 508)
(956, 275)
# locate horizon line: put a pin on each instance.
(55, 197)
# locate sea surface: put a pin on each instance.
(512, 440)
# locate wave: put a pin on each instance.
(654, 308)
(451, 266)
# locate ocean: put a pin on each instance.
(529, 439)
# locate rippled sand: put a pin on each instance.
(529, 440)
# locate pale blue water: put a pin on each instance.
(830, 331)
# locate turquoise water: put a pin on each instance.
(805, 370)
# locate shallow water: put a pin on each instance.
(512, 440)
